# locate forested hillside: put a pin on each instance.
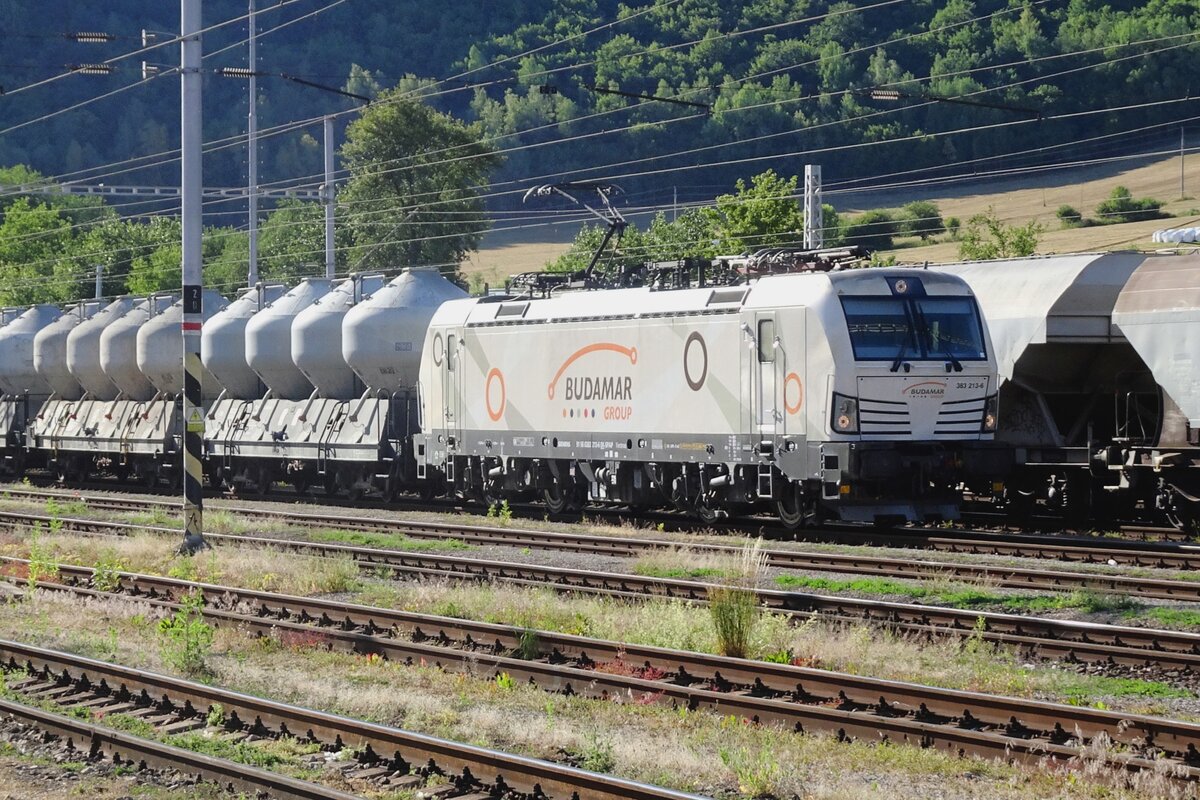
(779, 76)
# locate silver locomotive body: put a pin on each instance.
(862, 395)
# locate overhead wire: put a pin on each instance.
(349, 248)
(223, 199)
(148, 48)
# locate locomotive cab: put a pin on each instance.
(911, 402)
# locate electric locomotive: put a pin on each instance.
(856, 394)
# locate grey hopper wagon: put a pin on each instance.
(22, 389)
(1094, 357)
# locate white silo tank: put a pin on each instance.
(17, 373)
(269, 340)
(83, 349)
(223, 341)
(317, 337)
(118, 348)
(382, 336)
(160, 347)
(50, 350)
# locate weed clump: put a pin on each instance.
(185, 639)
(733, 603)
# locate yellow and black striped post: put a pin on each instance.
(193, 291)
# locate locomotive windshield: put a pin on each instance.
(914, 328)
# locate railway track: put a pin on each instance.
(125, 749)
(890, 567)
(800, 698)
(1048, 638)
(1074, 549)
(408, 760)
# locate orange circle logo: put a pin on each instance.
(793, 408)
(495, 412)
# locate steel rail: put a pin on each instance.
(1051, 638)
(1072, 549)
(119, 746)
(891, 567)
(801, 698)
(470, 768)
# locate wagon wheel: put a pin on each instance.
(1182, 514)
(263, 481)
(148, 477)
(355, 491)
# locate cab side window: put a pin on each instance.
(766, 340)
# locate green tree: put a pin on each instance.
(985, 237)
(35, 247)
(763, 214)
(413, 196)
(291, 241)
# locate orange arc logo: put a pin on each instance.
(631, 352)
(495, 413)
(793, 408)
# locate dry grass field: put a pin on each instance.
(1014, 200)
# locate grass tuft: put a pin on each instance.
(734, 606)
(388, 541)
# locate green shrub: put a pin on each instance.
(1122, 207)
(987, 237)
(872, 230)
(1069, 217)
(921, 218)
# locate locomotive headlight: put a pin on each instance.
(991, 413)
(845, 414)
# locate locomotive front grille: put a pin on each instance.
(961, 416)
(884, 417)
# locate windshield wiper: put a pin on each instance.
(928, 337)
(900, 356)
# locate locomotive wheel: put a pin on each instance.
(557, 498)
(790, 507)
(707, 510)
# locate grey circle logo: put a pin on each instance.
(695, 348)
